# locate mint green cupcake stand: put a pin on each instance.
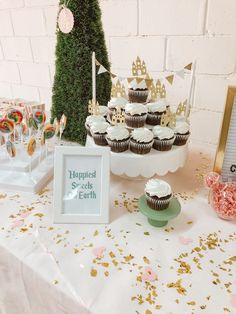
(159, 218)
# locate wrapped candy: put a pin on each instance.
(63, 122)
(11, 149)
(223, 196)
(31, 146)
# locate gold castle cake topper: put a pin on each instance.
(118, 90)
(157, 91)
(181, 108)
(93, 107)
(118, 117)
(168, 119)
(139, 67)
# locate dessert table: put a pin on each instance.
(128, 266)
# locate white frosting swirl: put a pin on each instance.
(134, 85)
(99, 127)
(92, 119)
(135, 108)
(163, 132)
(159, 188)
(117, 133)
(117, 102)
(157, 106)
(103, 110)
(181, 127)
(142, 135)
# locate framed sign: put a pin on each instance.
(81, 184)
(225, 162)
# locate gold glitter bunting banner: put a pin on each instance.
(140, 74)
(170, 79)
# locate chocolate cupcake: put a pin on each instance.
(163, 138)
(155, 112)
(135, 115)
(158, 194)
(141, 141)
(99, 132)
(92, 119)
(182, 133)
(114, 103)
(138, 93)
(118, 138)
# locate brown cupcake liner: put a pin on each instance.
(140, 148)
(100, 139)
(163, 145)
(139, 96)
(158, 203)
(135, 121)
(118, 146)
(154, 118)
(181, 139)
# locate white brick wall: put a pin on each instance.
(166, 33)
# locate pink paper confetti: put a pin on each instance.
(233, 300)
(17, 224)
(99, 251)
(25, 214)
(149, 274)
(185, 241)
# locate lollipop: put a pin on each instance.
(6, 126)
(24, 128)
(31, 122)
(39, 117)
(2, 140)
(15, 115)
(11, 149)
(63, 122)
(42, 140)
(31, 147)
(57, 126)
(49, 131)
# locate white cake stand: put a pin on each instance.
(130, 165)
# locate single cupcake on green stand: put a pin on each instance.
(158, 204)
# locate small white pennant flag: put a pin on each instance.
(101, 70)
(180, 73)
(121, 79)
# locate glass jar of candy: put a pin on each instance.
(222, 196)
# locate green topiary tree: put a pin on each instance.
(72, 88)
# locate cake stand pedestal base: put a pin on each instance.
(159, 218)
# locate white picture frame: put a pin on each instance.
(81, 184)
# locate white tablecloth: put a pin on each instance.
(189, 266)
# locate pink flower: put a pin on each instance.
(99, 251)
(149, 274)
(17, 224)
(233, 300)
(25, 214)
(185, 241)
